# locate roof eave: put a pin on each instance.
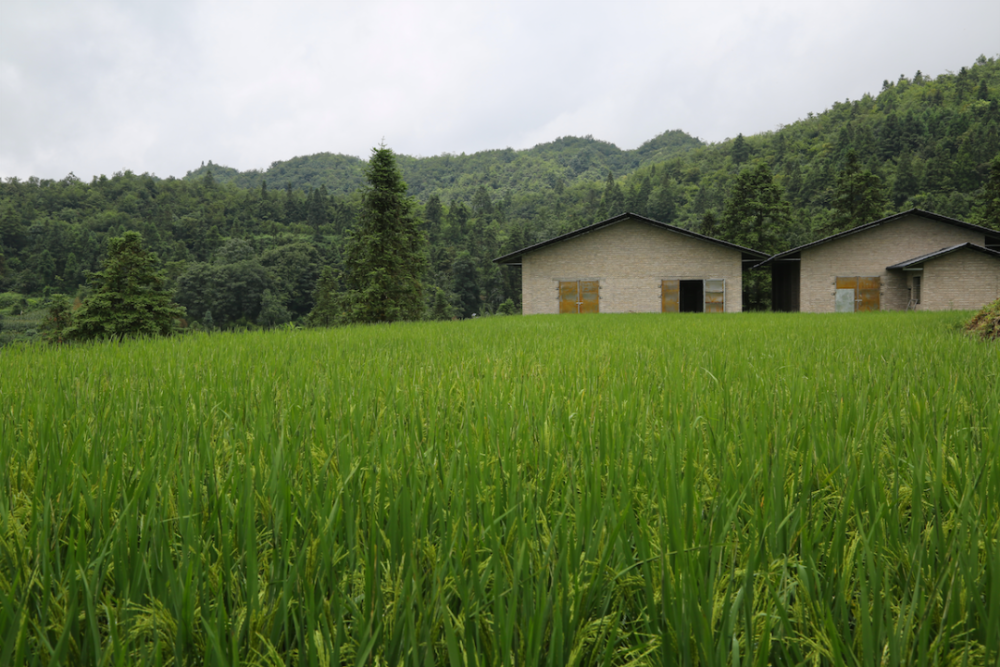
(910, 263)
(517, 254)
(870, 225)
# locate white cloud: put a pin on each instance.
(161, 86)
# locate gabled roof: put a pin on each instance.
(514, 258)
(871, 225)
(941, 253)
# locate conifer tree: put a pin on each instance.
(434, 215)
(709, 224)
(755, 216)
(662, 204)
(129, 295)
(984, 91)
(386, 250)
(326, 310)
(638, 197)
(316, 216)
(756, 212)
(482, 205)
(858, 197)
(740, 151)
(60, 318)
(441, 309)
(457, 221)
(987, 211)
(466, 283)
(614, 199)
(907, 183)
(272, 311)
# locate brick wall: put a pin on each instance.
(867, 253)
(629, 259)
(963, 280)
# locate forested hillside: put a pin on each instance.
(236, 243)
(569, 159)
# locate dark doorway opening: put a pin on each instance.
(785, 286)
(692, 296)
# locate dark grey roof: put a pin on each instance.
(942, 252)
(515, 257)
(861, 228)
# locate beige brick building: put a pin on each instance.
(631, 264)
(962, 277)
(913, 260)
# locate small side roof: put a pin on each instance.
(514, 258)
(861, 228)
(941, 253)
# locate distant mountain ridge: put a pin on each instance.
(569, 158)
(928, 140)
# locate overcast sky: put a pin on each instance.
(160, 86)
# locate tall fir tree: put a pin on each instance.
(129, 296)
(327, 310)
(756, 211)
(741, 150)
(709, 224)
(482, 205)
(663, 202)
(457, 222)
(272, 311)
(637, 200)
(386, 251)
(756, 215)
(316, 213)
(441, 308)
(434, 216)
(59, 319)
(613, 202)
(465, 284)
(858, 197)
(987, 210)
(907, 182)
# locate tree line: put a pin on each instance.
(245, 249)
(384, 264)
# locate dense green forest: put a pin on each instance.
(235, 243)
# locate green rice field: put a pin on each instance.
(755, 489)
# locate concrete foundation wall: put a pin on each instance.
(867, 253)
(629, 259)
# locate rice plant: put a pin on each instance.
(624, 490)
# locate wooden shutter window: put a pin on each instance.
(567, 296)
(590, 297)
(715, 296)
(670, 296)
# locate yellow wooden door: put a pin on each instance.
(846, 295)
(868, 293)
(856, 294)
(579, 296)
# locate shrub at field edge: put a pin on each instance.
(986, 323)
